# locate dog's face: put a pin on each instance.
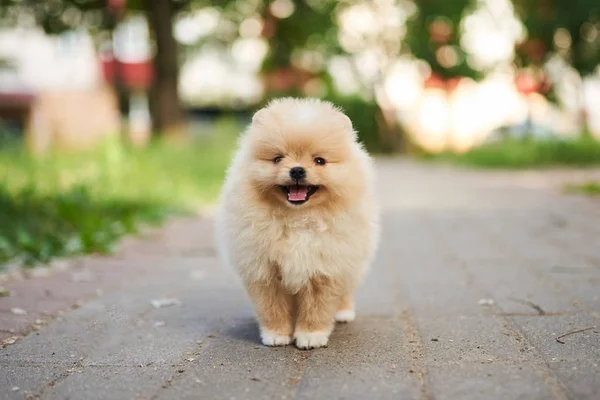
(303, 154)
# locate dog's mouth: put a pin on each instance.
(299, 194)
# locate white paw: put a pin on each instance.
(345, 315)
(273, 339)
(311, 340)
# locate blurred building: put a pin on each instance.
(56, 84)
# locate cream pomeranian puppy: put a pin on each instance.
(298, 219)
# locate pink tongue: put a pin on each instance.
(298, 193)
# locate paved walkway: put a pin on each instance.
(477, 276)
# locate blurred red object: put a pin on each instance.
(116, 6)
(528, 83)
(138, 75)
(286, 78)
(534, 49)
(436, 82)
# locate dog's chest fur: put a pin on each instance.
(306, 247)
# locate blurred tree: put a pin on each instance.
(301, 37)
(433, 35)
(372, 35)
(165, 106)
(564, 28)
(378, 32)
(568, 28)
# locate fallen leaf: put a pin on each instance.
(18, 311)
(166, 302)
(10, 340)
(486, 302)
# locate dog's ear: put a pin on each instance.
(346, 124)
(259, 116)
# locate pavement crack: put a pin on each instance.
(299, 371)
(63, 375)
(414, 348)
(531, 304)
(179, 367)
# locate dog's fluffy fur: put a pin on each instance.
(299, 261)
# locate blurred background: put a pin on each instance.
(117, 113)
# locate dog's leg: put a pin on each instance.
(275, 310)
(317, 304)
(345, 311)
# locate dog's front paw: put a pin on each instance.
(272, 339)
(345, 316)
(311, 340)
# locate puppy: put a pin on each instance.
(298, 219)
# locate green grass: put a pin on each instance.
(515, 153)
(591, 188)
(68, 204)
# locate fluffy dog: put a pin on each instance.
(298, 219)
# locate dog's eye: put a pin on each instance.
(277, 159)
(320, 161)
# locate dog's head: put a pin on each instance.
(303, 153)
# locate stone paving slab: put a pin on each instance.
(450, 310)
(488, 381)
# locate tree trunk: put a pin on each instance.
(167, 115)
(388, 131)
(391, 137)
(121, 91)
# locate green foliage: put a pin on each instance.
(312, 26)
(36, 227)
(518, 153)
(435, 25)
(68, 204)
(59, 15)
(581, 19)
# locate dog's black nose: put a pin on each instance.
(298, 173)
